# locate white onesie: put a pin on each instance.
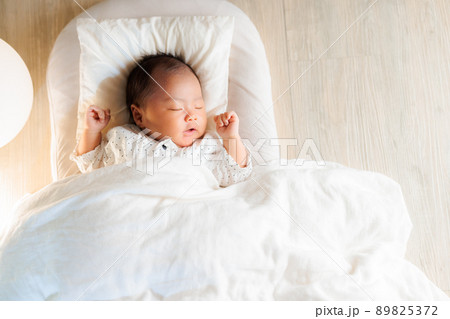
(123, 143)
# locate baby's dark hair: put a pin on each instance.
(140, 86)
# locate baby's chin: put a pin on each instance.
(184, 143)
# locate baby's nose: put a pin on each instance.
(191, 117)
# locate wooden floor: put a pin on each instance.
(370, 85)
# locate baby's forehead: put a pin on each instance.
(176, 79)
(163, 100)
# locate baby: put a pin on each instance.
(164, 96)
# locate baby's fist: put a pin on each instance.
(227, 124)
(96, 118)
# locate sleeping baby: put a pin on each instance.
(164, 96)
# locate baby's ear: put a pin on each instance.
(137, 115)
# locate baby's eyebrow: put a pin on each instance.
(183, 100)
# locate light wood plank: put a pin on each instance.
(378, 100)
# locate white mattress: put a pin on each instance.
(249, 91)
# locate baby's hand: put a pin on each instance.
(227, 124)
(96, 118)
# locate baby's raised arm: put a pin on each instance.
(96, 120)
(227, 126)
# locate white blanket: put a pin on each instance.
(288, 233)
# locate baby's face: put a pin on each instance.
(183, 118)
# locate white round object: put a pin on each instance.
(16, 93)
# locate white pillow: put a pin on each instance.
(108, 47)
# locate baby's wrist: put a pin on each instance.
(231, 141)
(232, 137)
(91, 132)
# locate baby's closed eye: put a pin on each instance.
(197, 107)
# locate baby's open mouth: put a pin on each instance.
(189, 132)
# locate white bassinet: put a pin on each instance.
(249, 89)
